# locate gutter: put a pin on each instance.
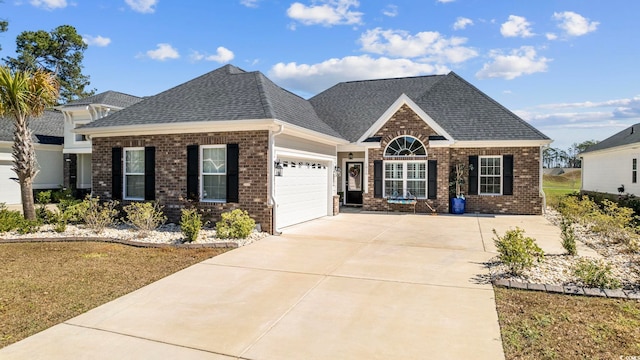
(272, 154)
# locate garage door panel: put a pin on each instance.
(301, 193)
(9, 188)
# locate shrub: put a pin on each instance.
(61, 194)
(99, 215)
(236, 224)
(9, 219)
(145, 216)
(190, 224)
(73, 210)
(568, 237)
(43, 197)
(516, 251)
(28, 226)
(595, 273)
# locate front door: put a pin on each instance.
(354, 183)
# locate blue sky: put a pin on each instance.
(568, 67)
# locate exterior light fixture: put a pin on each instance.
(350, 156)
(277, 166)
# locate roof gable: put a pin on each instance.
(404, 100)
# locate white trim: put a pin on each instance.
(6, 157)
(124, 172)
(201, 174)
(499, 143)
(404, 100)
(501, 175)
(300, 154)
(77, 151)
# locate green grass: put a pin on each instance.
(556, 186)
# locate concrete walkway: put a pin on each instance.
(353, 286)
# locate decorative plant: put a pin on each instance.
(458, 178)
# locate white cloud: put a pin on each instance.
(431, 46)
(516, 26)
(142, 6)
(314, 78)
(445, 1)
(326, 13)
(49, 4)
(163, 52)
(222, 55)
(522, 61)
(567, 123)
(551, 36)
(390, 11)
(99, 41)
(575, 24)
(250, 3)
(461, 23)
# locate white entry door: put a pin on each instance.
(302, 191)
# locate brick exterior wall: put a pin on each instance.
(526, 198)
(171, 171)
(526, 167)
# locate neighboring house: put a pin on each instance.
(77, 147)
(611, 166)
(47, 139)
(233, 139)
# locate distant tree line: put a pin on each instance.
(569, 158)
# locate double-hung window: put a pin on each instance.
(490, 175)
(405, 179)
(213, 172)
(133, 173)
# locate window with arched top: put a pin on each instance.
(405, 146)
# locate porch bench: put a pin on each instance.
(402, 201)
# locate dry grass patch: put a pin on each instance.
(44, 284)
(538, 325)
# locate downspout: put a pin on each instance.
(272, 155)
(540, 174)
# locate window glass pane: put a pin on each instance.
(214, 187)
(213, 161)
(490, 185)
(393, 170)
(134, 187)
(134, 162)
(416, 188)
(416, 171)
(393, 188)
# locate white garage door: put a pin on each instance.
(302, 192)
(9, 189)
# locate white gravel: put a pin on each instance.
(166, 234)
(558, 269)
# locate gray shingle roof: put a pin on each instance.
(112, 98)
(47, 129)
(227, 93)
(458, 107)
(346, 110)
(627, 136)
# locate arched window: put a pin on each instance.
(405, 146)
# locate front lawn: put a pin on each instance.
(44, 284)
(539, 325)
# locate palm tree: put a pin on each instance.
(25, 94)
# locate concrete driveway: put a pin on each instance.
(353, 286)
